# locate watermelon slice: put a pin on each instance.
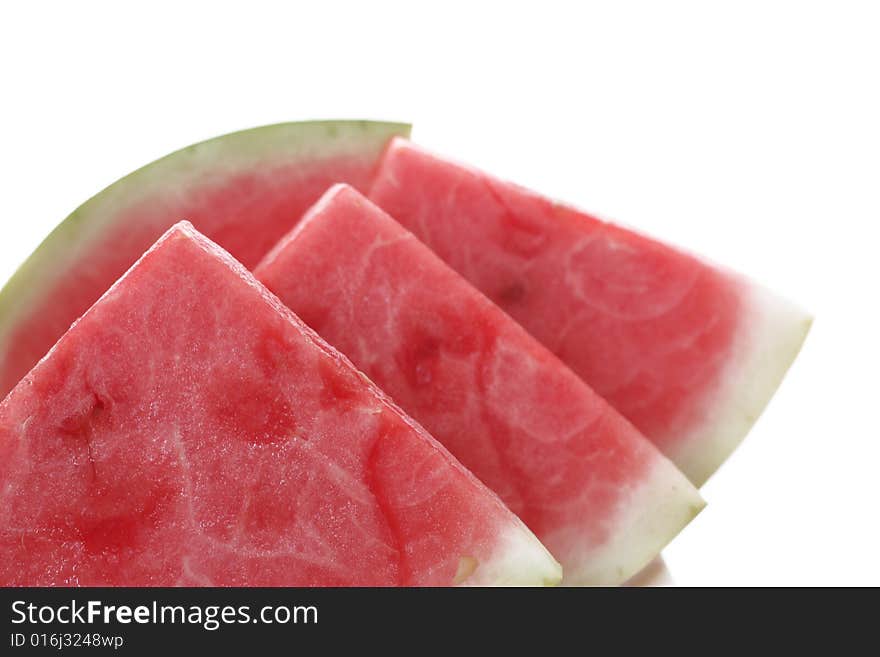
(244, 190)
(189, 429)
(690, 353)
(599, 495)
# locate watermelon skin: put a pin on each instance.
(190, 430)
(244, 190)
(688, 352)
(597, 493)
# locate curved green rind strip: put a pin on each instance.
(176, 173)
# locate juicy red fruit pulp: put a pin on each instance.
(246, 214)
(651, 329)
(128, 460)
(558, 455)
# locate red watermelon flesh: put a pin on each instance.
(191, 430)
(244, 190)
(599, 495)
(687, 351)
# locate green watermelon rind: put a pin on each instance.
(292, 142)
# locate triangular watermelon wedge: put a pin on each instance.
(243, 190)
(189, 429)
(598, 494)
(689, 352)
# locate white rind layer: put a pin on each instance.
(764, 351)
(520, 559)
(648, 516)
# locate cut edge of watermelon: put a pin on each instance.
(520, 559)
(654, 513)
(763, 353)
(295, 141)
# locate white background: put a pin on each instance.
(749, 132)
